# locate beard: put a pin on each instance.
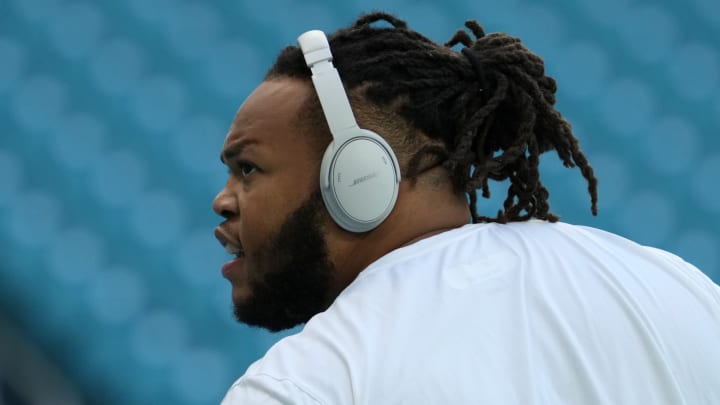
(294, 275)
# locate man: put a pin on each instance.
(426, 301)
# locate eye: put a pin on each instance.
(245, 168)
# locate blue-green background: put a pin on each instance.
(112, 115)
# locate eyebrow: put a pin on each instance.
(235, 149)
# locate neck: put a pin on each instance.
(428, 234)
(418, 214)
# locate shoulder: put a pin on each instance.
(313, 366)
(464, 282)
(263, 389)
(328, 361)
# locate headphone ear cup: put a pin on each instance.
(359, 175)
(359, 181)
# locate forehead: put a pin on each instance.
(270, 114)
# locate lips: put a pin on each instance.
(231, 267)
(232, 247)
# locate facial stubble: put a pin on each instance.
(293, 276)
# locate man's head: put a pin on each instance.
(273, 211)
(455, 120)
(485, 113)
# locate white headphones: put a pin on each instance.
(359, 175)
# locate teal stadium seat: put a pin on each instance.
(112, 115)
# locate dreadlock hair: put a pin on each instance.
(487, 110)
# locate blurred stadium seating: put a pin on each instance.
(112, 114)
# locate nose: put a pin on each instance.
(225, 204)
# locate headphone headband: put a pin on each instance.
(325, 77)
(359, 173)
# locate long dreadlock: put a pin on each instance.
(488, 109)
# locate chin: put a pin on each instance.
(240, 296)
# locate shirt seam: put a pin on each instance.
(303, 390)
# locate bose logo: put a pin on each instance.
(364, 179)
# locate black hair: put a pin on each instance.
(487, 110)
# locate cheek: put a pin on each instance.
(255, 223)
(266, 203)
(262, 215)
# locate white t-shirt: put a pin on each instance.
(523, 313)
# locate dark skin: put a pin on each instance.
(277, 171)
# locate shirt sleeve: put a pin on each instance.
(263, 389)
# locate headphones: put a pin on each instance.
(359, 175)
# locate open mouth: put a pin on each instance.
(234, 250)
(231, 247)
